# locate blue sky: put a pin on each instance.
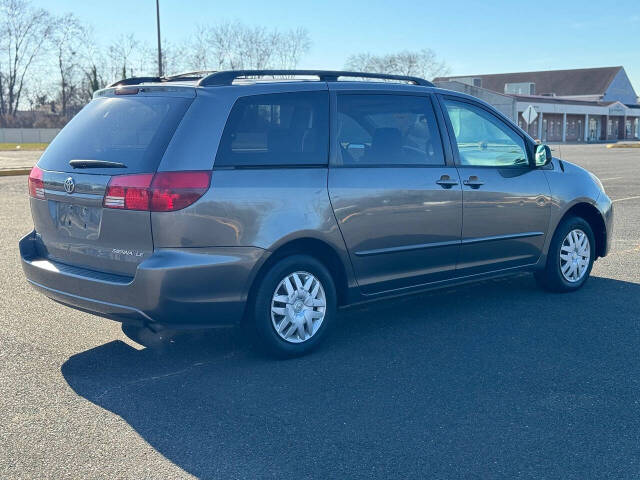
(472, 36)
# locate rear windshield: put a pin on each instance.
(130, 130)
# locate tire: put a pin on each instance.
(576, 272)
(308, 311)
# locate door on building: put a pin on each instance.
(506, 202)
(594, 130)
(580, 132)
(615, 128)
(552, 128)
(574, 132)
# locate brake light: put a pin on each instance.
(127, 91)
(36, 183)
(130, 192)
(162, 192)
(176, 190)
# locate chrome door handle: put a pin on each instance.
(446, 181)
(473, 182)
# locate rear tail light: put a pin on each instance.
(130, 192)
(36, 183)
(162, 192)
(176, 190)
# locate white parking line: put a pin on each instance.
(612, 178)
(623, 199)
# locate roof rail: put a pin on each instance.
(181, 77)
(135, 81)
(190, 75)
(227, 77)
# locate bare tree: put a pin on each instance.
(234, 46)
(121, 54)
(173, 59)
(55, 65)
(200, 55)
(94, 66)
(23, 34)
(68, 34)
(256, 47)
(422, 63)
(293, 45)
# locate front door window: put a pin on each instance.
(483, 140)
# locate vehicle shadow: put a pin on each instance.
(492, 379)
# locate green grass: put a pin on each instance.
(22, 146)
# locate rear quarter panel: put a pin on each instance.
(264, 208)
(253, 207)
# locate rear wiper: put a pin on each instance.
(95, 164)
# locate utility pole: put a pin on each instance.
(159, 43)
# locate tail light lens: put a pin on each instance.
(176, 190)
(130, 192)
(162, 192)
(36, 183)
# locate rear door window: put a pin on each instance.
(280, 129)
(130, 130)
(387, 130)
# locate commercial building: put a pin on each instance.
(580, 105)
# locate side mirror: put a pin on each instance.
(543, 155)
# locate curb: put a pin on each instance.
(623, 145)
(7, 172)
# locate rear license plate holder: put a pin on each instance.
(78, 221)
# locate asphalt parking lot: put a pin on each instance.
(491, 380)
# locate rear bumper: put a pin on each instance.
(176, 288)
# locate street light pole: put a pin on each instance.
(159, 43)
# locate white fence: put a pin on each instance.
(27, 135)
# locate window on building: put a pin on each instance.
(477, 82)
(520, 88)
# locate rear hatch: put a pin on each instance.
(120, 134)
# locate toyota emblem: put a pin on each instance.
(69, 185)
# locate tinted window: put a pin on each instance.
(277, 129)
(134, 130)
(483, 139)
(387, 130)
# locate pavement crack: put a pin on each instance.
(153, 378)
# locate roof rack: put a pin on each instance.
(135, 81)
(181, 77)
(227, 77)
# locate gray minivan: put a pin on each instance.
(213, 199)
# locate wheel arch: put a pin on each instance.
(593, 217)
(316, 248)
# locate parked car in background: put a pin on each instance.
(225, 198)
